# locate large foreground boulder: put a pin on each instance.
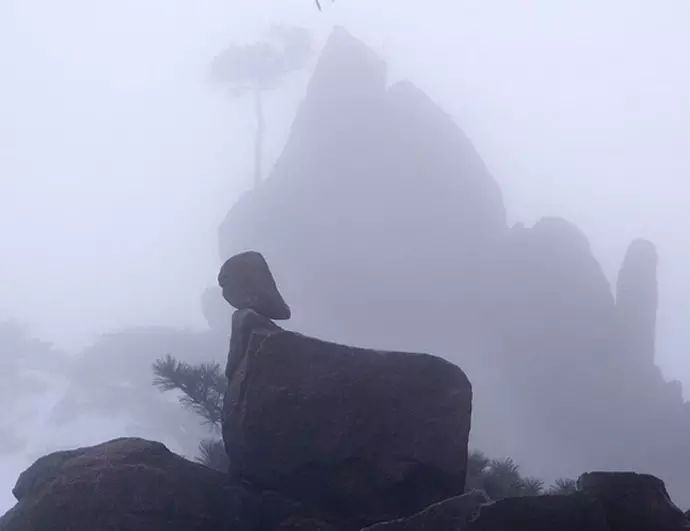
(360, 436)
(125, 484)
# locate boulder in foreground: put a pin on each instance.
(127, 484)
(360, 436)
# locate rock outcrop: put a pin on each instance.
(359, 436)
(636, 304)
(541, 513)
(138, 485)
(633, 502)
(605, 501)
(248, 284)
(128, 484)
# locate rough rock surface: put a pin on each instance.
(453, 514)
(364, 436)
(248, 331)
(376, 187)
(305, 524)
(247, 283)
(633, 502)
(541, 513)
(128, 484)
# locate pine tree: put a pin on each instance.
(260, 67)
(202, 388)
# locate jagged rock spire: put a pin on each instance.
(637, 301)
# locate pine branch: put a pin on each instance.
(202, 386)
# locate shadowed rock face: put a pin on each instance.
(248, 284)
(127, 484)
(359, 436)
(138, 485)
(633, 502)
(542, 513)
(453, 514)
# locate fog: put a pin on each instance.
(119, 160)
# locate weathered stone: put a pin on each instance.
(633, 502)
(453, 514)
(247, 283)
(541, 513)
(363, 436)
(128, 484)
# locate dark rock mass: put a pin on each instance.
(305, 524)
(542, 513)
(393, 235)
(125, 484)
(358, 436)
(453, 514)
(633, 502)
(248, 284)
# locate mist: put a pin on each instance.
(119, 159)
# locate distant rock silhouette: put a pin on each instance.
(344, 217)
(248, 284)
(636, 303)
(398, 239)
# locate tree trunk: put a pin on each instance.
(259, 139)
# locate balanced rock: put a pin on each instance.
(128, 484)
(358, 436)
(247, 283)
(453, 514)
(634, 502)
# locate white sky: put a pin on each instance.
(118, 160)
